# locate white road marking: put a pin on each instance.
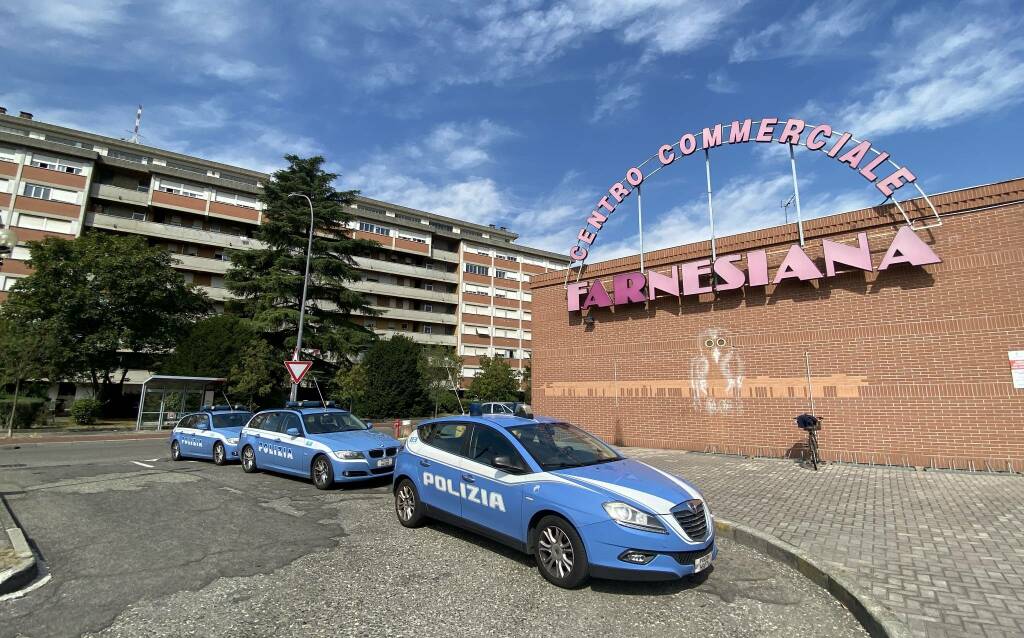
(21, 592)
(142, 464)
(151, 460)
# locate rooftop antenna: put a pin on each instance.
(322, 402)
(138, 122)
(786, 204)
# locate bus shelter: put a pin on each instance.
(165, 398)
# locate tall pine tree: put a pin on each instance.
(268, 281)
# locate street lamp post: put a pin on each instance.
(305, 284)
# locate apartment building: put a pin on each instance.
(435, 279)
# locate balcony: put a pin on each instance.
(445, 255)
(119, 194)
(403, 292)
(419, 337)
(405, 270)
(169, 231)
(217, 294)
(202, 264)
(402, 314)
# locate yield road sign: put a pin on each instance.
(297, 369)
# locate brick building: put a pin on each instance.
(435, 279)
(907, 366)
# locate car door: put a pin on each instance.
(294, 453)
(205, 438)
(186, 436)
(267, 448)
(493, 495)
(439, 465)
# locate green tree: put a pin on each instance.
(440, 370)
(256, 377)
(350, 385)
(268, 281)
(210, 347)
(103, 296)
(527, 383)
(497, 381)
(24, 353)
(393, 383)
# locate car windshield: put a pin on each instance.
(557, 446)
(327, 422)
(233, 420)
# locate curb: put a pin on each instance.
(877, 620)
(79, 437)
(25, 569)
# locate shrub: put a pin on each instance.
(30, 411)
(85, 411)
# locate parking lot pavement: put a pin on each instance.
(191, 549)
(941, 550)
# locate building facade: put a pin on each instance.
(435, 279)
(907, 363)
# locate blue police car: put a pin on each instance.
(211, 433)
(316, 440)
(548, 488)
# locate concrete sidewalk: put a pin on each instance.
(17, 562)
(75, 437)
(943, 551)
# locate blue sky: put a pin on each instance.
(523, 112)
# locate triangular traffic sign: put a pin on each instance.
(297, 369)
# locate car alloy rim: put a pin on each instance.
(174, 449)
(320, 472)
(248, 457)
(218, 453)
(406, 502)
(556, 552)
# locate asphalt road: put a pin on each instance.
(191, 549)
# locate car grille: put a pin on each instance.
(392, 451)
(376, 454)
(694, 523)
(687, 558)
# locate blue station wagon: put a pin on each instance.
(211, 433)
(316, 440)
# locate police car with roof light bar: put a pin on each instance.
(316, 440)
(548, 488)
(211, 433)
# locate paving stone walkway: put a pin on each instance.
(944, 551)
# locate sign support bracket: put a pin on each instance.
(796, 196)
(711, 209)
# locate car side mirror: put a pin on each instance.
(292, 432)
(506, 464)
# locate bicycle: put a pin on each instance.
(811, 424)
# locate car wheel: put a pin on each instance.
(561, 557)
(218, 454)
(175, 451)
(249, 460)
(407, 504)
(322, 473)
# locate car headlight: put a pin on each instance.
(233, 441)
(629, 516)
(346, 455)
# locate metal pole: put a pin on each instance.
(711, 210)
(305, 285)
(796, 195)
(640, 223)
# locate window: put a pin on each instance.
(370, 323)
(8, 154)
(427, 330)
(367, 227)
(501, 274)
(445, 227)
(216, 281)
(55, 164)
(188, 168)
(46, 223)
(237, 199)
(8, 283)
(477, 269)
(506, 257)
(37, 191)
(372, 209)
(5, 185)
(408, 218)
(428, 287)
(428, 307)
(178, 188)
(527, 296)
(21, 252)
(128, 157)
(191, 250)
(527, 315)
(418, 240)
(48, 192)
(448, 437)
(139, 217)
(474, 289)
(486, 444)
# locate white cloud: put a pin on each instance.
(622, 97)
(815, 31)
(79, 19)
(942, 72)
(719, 82)
(464, 146)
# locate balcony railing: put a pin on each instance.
(420, 337)
(402, 314)
(202, 264)
(444, 255)
(120, 194)
(403, 292)
(169, 231)
(397, 268)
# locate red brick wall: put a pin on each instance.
(908, 366)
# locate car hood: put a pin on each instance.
(633, 482)
(355, 440)
(231, 433)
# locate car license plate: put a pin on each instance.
(702, 563)
(385, 462)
